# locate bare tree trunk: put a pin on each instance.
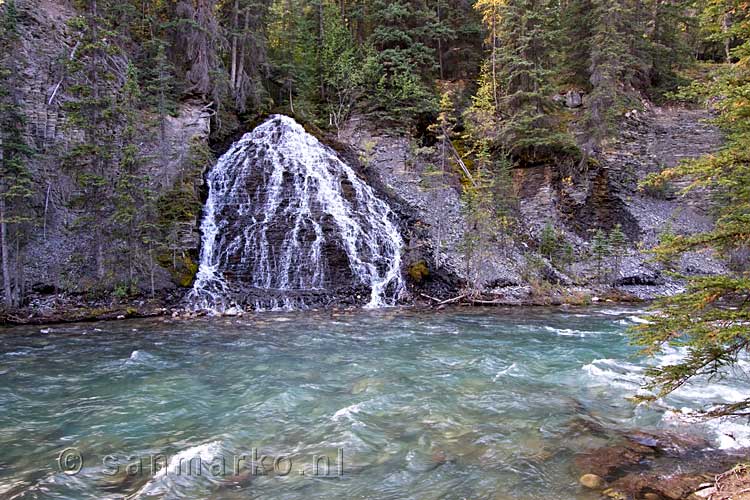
(235, 16)
(18, 289)
(494, 58)
(291, 97)
(440, 44)
(6, 255)
(151, 269)
(321, 34)
(99, 258)
(46, 207)
(243, 44)
(726, 23)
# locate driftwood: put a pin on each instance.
(488, 302)
(57, 87)
(444, 302)
(466, 300)
(458, 157)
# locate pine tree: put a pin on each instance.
(600, 250)
(549, 244)
(576, 45)
(92, 110)
(618, 245)
(710, 318)
(159, 84)
(15, 177)
(523, 34)
(612, 67)
(131, 197)
(343, 74)
(668, 48)
(402, 58)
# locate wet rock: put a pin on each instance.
(667, 486)
(609, 461)
(233, 311)
(592, 482)
(707, 492)
(669, 443)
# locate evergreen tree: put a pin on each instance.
(524, 33)
(402, 55)
(600, 250)
(668, 47)
(343, 74)
(618, 245)
(15, 177)
(549, 244)
(576, 46)
(710, 319)
(92, 110)
(612, 66)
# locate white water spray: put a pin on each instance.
(287, 222)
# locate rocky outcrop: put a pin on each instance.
(435, 234)
(664, 466)
(58, 254)
(576, 200)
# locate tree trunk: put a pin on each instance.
(6, 255)
(321, 34)
(494, 58)
(235, 16)
(18, 289)
(726, 23)
(99, 257)
(243, 44)
(440, 44)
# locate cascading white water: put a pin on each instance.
(287, 224)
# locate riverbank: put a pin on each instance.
(664, 466)
(67, 308)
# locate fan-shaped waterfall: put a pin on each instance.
(287, 224)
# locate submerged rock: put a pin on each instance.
(592, 482)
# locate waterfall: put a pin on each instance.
(288, 225)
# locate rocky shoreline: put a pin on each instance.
(664, 466)
(631, 464)
(68, 308)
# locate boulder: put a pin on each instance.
(592, 482)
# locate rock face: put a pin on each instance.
(58, 256)
(436, 224)
(576, 200)
(287, 223)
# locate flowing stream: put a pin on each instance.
(288, 225)
(483, 404)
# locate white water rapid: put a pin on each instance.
(288, 225)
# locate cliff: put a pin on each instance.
(59, 252)
(73, 250)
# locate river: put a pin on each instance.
(389, 404)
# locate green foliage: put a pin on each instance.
(554, 246)
(549, 244)
(16, 184)
(523, 34)
(711, 318)
(419, 271)
(618, 244)
(600, 250)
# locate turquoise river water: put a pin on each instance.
(390, 404)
